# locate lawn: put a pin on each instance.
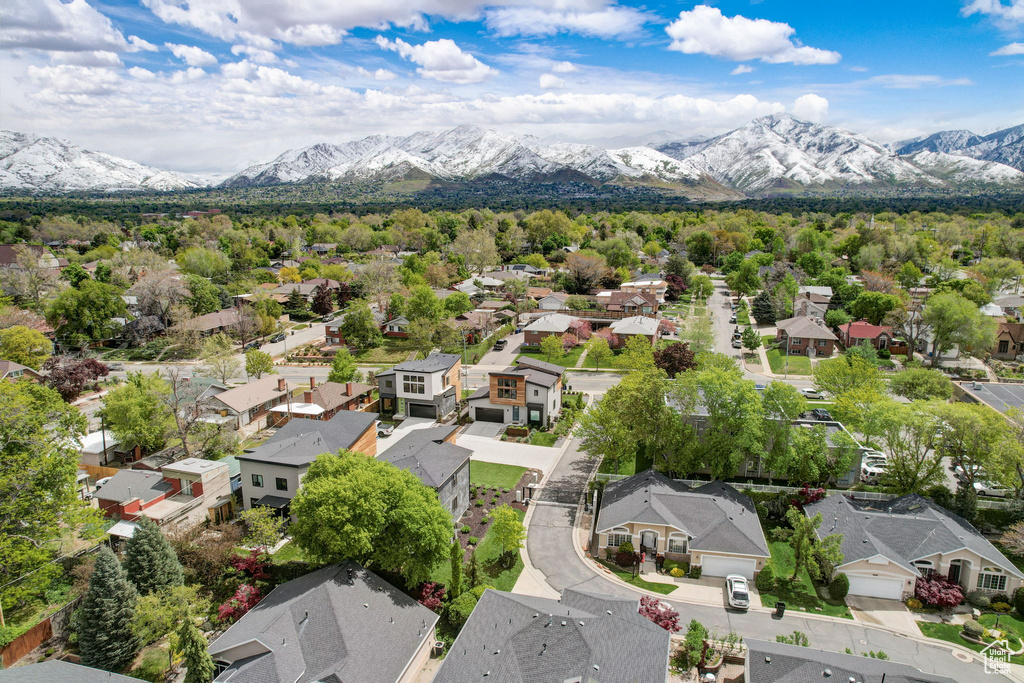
(638, 464)
(742, 316)
(627, 576)
(798, 365)
(800, 594)
(539, 438)
(289, 552)
(493, 475)
(487, 556)
(607, 363)
(1010, 623)
(382, 354)
(567, 360)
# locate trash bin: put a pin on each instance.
(780, 609)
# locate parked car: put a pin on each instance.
(115, 366)
(384, 430)
(760, 387)
(811, 392)
(738, 593)
(251, 345)
(872, 467)
(984, 487)
(737, 343)
(279, 337)
(821, 414)
(500, 344)
(733, 319)
(102, 481)
(329, 317)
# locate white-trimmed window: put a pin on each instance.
(925, 567)
(617, 537)
(414, 384)
(677, 543)
(992, 578)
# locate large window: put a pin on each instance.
(507, 388)
(414, 384)
(926, 567)
(282, 484)
(676, 544)
(619, 536)
(257, 480)
(992, 579)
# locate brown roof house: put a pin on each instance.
(218, 321)
(244, 408)
(879, 336)
(11, 371)
(800, 335)
(1009, 341)
(324, 401)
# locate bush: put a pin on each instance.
(914, 603)
(473, 540)
(1001, 607)
(485, 520)
(479, 503)
(938, 591)
(626, 547)
(884, 354)
(765, 580)
(677, 572)
(465, 528)
(979, 599)
(1018, 601)
(973, 629)
(626, 559)
(695, 572)
(839, 587)
(461, 607)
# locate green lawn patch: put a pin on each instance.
(1009, 623)
(381, 354)
(538, 438)
(799, 594)
(493, 475)
(742, 317)
(798, 365)
(488, 558)
(567, 360)
(627, 576)
(629, 467)
(287, 553)
(152, 664)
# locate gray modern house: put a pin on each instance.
(432, 455)
(421, 388)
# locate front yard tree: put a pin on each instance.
(637, 354)
(675, 358)
(701, 287)
(762, 309)
(351, 507)
(921, 384)
(106, 637)
(979, 439)
(751, 339)
(360, 329)
(20, 344)
(423, 304)
(258, 363)
(323, 302)
(508, 531)
(262, 527)
(219, 359)
(137, 413)
(840, 375)
(149, 560)
(744, 280)
(807, 550)
(551, 347)
(69, 376)
(343, 367)
(86, 313)
(956, 321)
(873, 306)
(811, 458)
(598, 349)
(700, 333)
(194, 650)
(906, 432)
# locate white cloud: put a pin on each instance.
(441, 60)
(741, 69)
(69, 79)
(191, 55)
(858, 68)
(1002, 13)
(73, 26)
(564, 68)
(94, 58)
(141, 74)
(810, 107)
(254, 54)
(551, 81)
(704, 30)
(1009, 50)
(915, 81)
(608, 22)
(377, 75)
(136, 44)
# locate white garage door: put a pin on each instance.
(714, 565)
(876, 586)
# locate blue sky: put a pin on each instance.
(210, 86)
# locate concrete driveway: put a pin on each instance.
(889, 613)
(488, 430)
(487, 449)
(408, 424)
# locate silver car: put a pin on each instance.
(384, 429)
(739, 594)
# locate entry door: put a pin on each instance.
(954, 572)
(649, 540)
(515, 413)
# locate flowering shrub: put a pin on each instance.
(807, 495)
(254, 565)
(582, 330)
(660, 613)
(244, 599)
(626, 558)
(938, 591)
(569, 341)
(431, 595)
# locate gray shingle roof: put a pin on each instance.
(541, 365)
(779, 663)
(127, 484)
(425, 453)
(804, 327)
(433, 363)
(320, 627)
(716, 516)
(55, 671)
(300, 441)
(903, 529)
(512, 637)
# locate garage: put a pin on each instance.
(876, 586)
(717, 565)
(428, 410)
(490, 415)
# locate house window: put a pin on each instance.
(536, 392)
(676, 544)
(925, 567)
(17, 373)
(253, 412)
(619, 536)
(414, 384)
(282, 484)
(796, 340)
(257, 480)
(822, 342)
(387, 383)
(1004, 346)
(507, 388)
(992, 579)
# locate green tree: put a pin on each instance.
(472, 571)
(343, 367)
(457, 303)
(744, 280)
(204, 296)
(258, 363)
(86, 313)
(351, 507)
(701, 287)
(455, 558)
(751, 339)
(679, 266)
(906, 433)
(836, 317)
(921, 384)
(843, 374)
(19, 344)
(873, 306)
(263, 527)
(149, 559)
(700, 333)
(137, 413)
(75, 274)
(198, 663)
(209, 263)
(551, 347)
(219, 359)
(955, 321)
(423, 304)
(359, 328)
(296, 305)
(975, 436)
(909, 275)
(811, 458)
(598, 349)
(106, 637)
(637, 354)
(509, 532)
(805, 544)
(762, 309)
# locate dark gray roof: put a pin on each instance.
(511, 638)
(435, 362)
(779, 663)
(543, 366)
(55, 671)
(481, 392)
(300, 441)
(425, 453)
(715, 516)
(321, 627)
(903, 530)
(126, 484)
(532, 375)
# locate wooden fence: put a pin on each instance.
(98, 472)
(26, 642)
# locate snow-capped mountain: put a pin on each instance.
(945, 141)
(961, 169)
(32, 163)
(1004, 147)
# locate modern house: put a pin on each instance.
(554, 323)
(714, 527)
(635, 326)
(421, 388)
(879, 336)
(11, 371)
(888, 544)
(273, 471)
(772, 662)
(581, 637)
(247, 408)
(1009, 341)
(530, 392)
(184, 492)
(397, 327)
(431, 454)
(323, 401)
(338, 623)
(801, 335)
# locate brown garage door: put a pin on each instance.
(490, 415)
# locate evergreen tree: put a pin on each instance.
(965, 502)
(762, 309)
(472, 572)
(197, 656)
(343, 367)
(455, 586)
(105, 635)
(296, 304)
(149, 559)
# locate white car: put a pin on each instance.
(811, 392)
(872, 468)
(988, 488)
(384, 429)
(739, 594)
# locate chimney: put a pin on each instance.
(348, 388)
(312, 382)
(282, 385)
(307, 397)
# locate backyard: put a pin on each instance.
(493, 475)
(799, 594)
(488, 553)
(638, 463)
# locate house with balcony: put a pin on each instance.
(421, 388)
(805, 336)
(247, 408)
(431, 454)
(184, 492)
(529, 392)
(655, 287)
